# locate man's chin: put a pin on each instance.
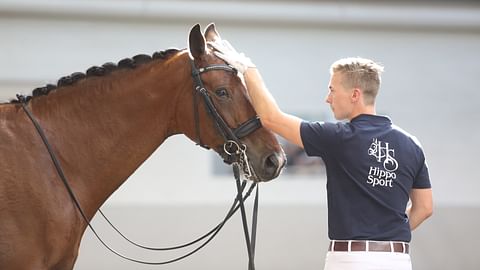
(340, 117)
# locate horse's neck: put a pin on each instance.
(104, 128)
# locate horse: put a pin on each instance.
(102, 125)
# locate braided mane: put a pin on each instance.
(95, 71)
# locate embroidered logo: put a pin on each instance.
(382, 153)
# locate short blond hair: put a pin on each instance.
(360, 73)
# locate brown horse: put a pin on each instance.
(102, 126)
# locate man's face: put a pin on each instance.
(339, 97)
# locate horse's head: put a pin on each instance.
(224, 117)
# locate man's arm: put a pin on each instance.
(422, 206)
(285, 125)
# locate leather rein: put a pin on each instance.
(236, 155)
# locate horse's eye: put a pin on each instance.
(221, 93)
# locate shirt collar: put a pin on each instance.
(371, 119)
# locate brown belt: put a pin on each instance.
(370, 246)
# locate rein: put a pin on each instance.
(236, 155)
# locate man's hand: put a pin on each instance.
(225, 51)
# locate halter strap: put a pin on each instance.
(248, 127)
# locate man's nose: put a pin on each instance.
(328, 99)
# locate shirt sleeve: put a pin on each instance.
(422, 180)
(317, 137)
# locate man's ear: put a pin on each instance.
(196, 42)
(356, 95)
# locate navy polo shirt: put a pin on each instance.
(371, 167)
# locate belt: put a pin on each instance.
(369, 246)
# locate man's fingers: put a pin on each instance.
(217, 46)
(223, 46)
(228, 45)
(219, 54)
(222, 56)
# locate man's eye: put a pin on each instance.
(221, 93)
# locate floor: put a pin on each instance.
(289, 237)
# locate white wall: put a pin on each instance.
(431, 59)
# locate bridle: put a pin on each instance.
(235, 150)
(236, 155)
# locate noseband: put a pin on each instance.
(233, 147)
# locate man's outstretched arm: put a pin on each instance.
(285, 125)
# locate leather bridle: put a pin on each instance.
(233, 147)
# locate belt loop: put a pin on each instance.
(367, 246)
(333, 245)
(403, 247)
(392, 248)
(349, 245)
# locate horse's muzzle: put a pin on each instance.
(272, 165)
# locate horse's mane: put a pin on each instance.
(95, 71)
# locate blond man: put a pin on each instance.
(373, 167)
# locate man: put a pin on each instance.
(373, 167)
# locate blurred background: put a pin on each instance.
(431, 53)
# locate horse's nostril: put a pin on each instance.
(272, 166)
(272, 161)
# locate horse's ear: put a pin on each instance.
(196, 42)
(211, 33)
